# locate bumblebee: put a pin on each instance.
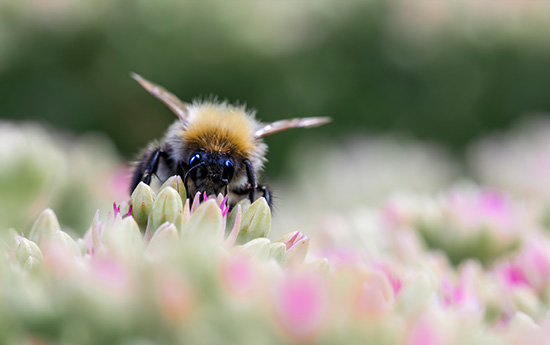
(215, 147)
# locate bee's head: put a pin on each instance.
(209, 172)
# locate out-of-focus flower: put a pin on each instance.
(27, 253)
(502, 160)
(182, 279)
(41, 169)
(296, 245)
(530, 267)
(465, 223)
(300, 303)
(45, 227)
(468, 265)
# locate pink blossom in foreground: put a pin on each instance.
(300, 303)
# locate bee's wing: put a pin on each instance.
(283, 125)
(174, 103)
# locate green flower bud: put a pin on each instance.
(168, 207)
(319, 265)
(232, 216)
(82, 246)
(26, 249)
(256, 222)
(31, 263)
(207, 219)
(142, 200)
(277, 252)
(44, 228)
(64, 242)
(258, 247)
(164, 242)
(176, 183)
(124, 238)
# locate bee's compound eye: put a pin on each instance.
(195, 159)
(228, 169)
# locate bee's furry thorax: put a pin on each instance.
(221, 128)
(218, 127)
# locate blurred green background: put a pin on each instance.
(444, 71)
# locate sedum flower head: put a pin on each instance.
(168, 269)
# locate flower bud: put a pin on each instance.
(95, 232)
(319, 266)
(277, 252)
(164, 241)
(31, 263)
(44, 228)
(258, 247)
(82, 246)
(124, 238)
(26, 249)
(256, 222)
(62, 241)
(297, 253)
(206, 220)
(142, 200)
(243, 205)
(297, 246)
(168, 207)
(176, 183)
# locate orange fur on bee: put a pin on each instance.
(221, 129)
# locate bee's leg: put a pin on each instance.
(251, 181)
(147, 167)
(267, 194)
(262, 188)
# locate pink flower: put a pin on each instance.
(111, 275)
(531, 267)
(239, 275)
(301, 305)
(391, 276)
(461, 294)
(475, 210)
(173, 296)
(375, 295)
(426, 332)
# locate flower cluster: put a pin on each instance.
(161, 267)
(465, 265)
(465, 223)
(167, 269)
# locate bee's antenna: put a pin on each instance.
(187, 174)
